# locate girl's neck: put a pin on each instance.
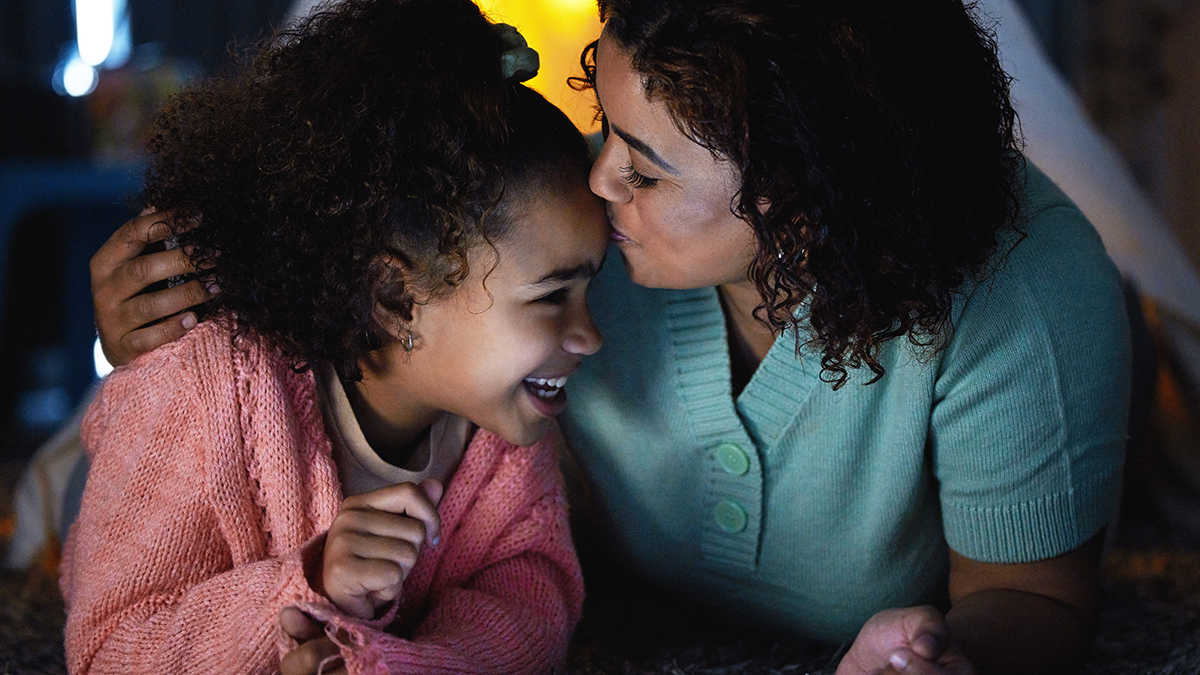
(391, 425)
(749, 339)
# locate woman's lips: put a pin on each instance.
(614, 233)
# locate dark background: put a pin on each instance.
(62, 194)
(68, 164)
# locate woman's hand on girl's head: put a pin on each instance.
(374, 542)
(316, 648)
(908, 641)
(125, 316)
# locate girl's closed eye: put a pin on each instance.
(555, 297)
(635, 179)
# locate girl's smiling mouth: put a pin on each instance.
(547, 394)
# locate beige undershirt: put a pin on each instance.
(360, 468)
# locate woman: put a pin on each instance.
(866, 373)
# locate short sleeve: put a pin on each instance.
(1032, 398)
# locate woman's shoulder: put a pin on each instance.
(1051, 302)
(1052, 238)
(1053, 264)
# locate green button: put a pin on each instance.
(730, 516)
(733, 459)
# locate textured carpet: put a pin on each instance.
(1150, 626)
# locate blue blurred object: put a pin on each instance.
(93, 200)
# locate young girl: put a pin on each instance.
(402, 237)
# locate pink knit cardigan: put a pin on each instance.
(211, 488)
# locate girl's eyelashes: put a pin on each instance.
(636, 180)
(555, 297)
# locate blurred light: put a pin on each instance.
(94, 28)
(73, 77)
(577, 6)
(558, 30)
(103, 367)
(122, 43)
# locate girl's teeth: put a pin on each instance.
(554, 382)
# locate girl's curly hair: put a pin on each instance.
(878, 133)
(377, 129)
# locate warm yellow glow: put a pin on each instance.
(558, 30)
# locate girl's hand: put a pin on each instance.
(315, 647)
(908, 641)
(120, 272)
(373, 544)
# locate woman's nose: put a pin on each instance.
(605, 178)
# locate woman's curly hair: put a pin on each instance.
(377, 129)
(877, 133)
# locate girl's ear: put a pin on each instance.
(393, 311)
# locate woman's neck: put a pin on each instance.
(749, 339)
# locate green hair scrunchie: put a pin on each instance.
(520, 62)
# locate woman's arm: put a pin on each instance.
(1026, 439)
(1037, 617)
(1034, 618)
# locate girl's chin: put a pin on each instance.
(526, 434)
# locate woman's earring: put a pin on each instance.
(406, 342)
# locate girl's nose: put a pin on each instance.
(605, 178)
(584, 337)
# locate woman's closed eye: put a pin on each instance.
(637, 180)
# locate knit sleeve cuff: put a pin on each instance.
(1033, 530)
(354, 636)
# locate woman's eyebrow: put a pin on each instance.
(640, 145)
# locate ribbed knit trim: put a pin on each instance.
(1033, 530)
(777, 392)
(697, 330)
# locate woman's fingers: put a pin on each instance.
(371, 522)
(402, 551)
(433, 490)
(128, 242)
(140, 310)
(952, 662)
(129, 321)
(918, 636)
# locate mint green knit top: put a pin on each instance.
(812, 509)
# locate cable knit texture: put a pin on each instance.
(211, 488)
